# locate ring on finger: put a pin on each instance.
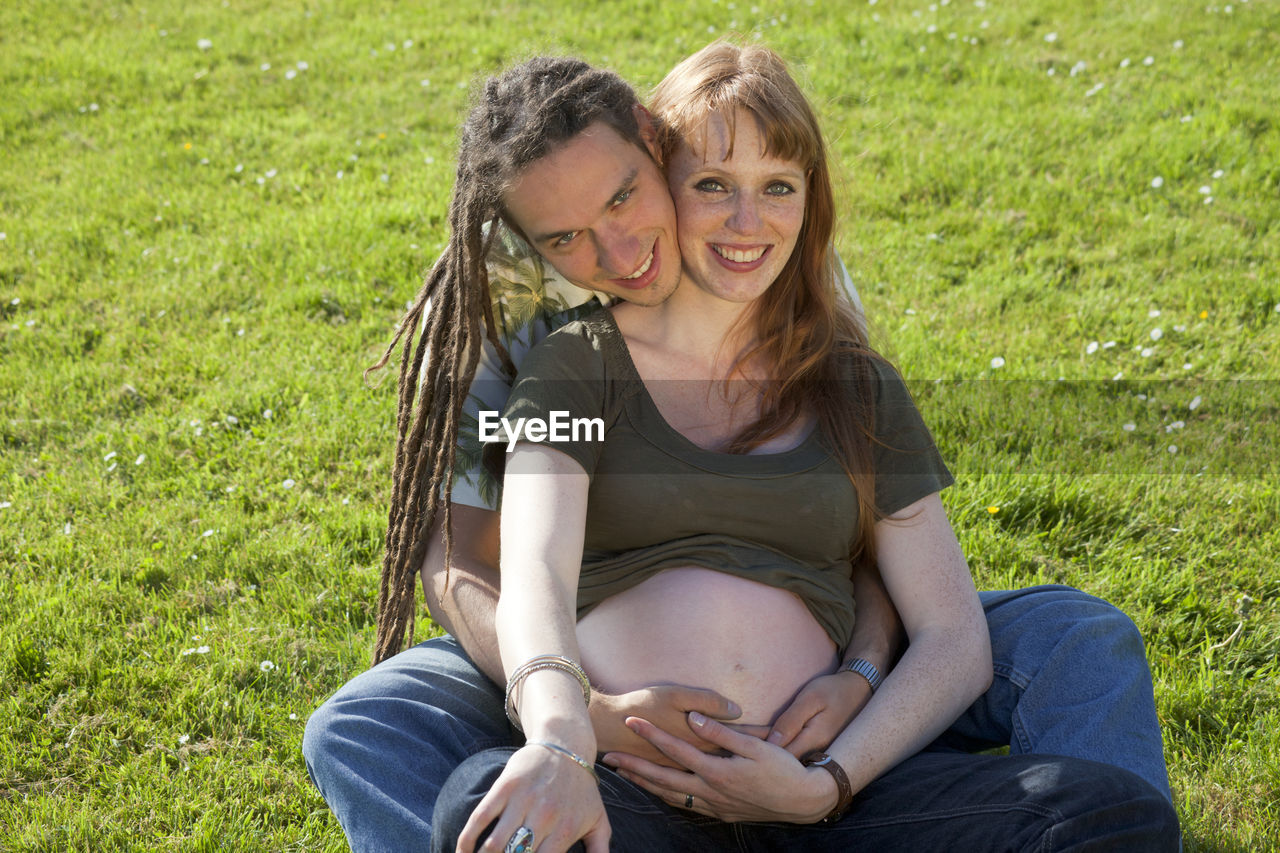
(520, 842)
(688, 801)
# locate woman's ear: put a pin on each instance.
(648, 131)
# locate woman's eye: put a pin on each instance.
(779, 188)
(565, 239)
(622, 196)
(707, 185)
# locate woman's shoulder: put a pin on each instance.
(577, 346)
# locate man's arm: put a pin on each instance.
(823, 708)
(466, 609)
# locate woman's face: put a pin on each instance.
(738, 217)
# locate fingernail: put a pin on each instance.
(774, 737)
(734, 709)
(697, 719)
(609, 760)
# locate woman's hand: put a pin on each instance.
(756, 781)
(667, 706)
(549, 794)
(819, 713)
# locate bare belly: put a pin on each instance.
(752, 643)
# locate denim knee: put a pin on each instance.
(462, 793)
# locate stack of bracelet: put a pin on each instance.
(538, 663)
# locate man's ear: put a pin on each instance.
(648, 131)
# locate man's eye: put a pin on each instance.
(565, 239)
(707, 185)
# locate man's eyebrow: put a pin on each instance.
(623, 186)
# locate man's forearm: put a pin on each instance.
(878, 636)
(465, 607)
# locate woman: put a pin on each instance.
(750, 376)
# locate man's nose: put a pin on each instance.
(618, 251)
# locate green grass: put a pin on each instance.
(186, 283)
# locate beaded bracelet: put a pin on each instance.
(541, 662)
(574, 757)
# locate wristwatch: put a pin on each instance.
(867, 670)
(827, 763)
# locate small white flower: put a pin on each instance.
(1208, 199)
(346, 501)
(1186, 119)
(266, 666)
(230, 489)
(261, 180)
(267, 414)
(339, 175)
(1129, 427)
(109, 456)
(1173, 448)
(1153, 313)
(408, 43)
(142, 457)
(1150, 60)
(1195, 402)
(1051, 37)
(66, 529)
(204, 44)
(1187, 366)
(385, 177)
(5, 504)
(1177, 45)
(303, 66)
(1157, 182)
(1175, 425)
(425, 83)
(293, 716)
(288, 484)
(1218, 173)
(1124, 63)
(290, 74)
(202, 650)
(207, 534)
(111, 467)
(270, 173)
(1147, 352)
(997, 363)
(1157, 333)
(239, 168)
(1278, 307)
(910, 312)
(233, 420)
(266, 66)
(183, 739)
(1078, 68)
(1179, 328)
(1091, 348)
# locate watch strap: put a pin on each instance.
(867, 670)
(827, 763)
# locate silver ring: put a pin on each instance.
(688, 801)
(521, 842)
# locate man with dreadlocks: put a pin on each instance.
(381, 748)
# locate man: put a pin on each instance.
(561, 153)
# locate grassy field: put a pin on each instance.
(211, 214)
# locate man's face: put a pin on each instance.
(598, 210)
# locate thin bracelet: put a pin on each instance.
(535, 664)
(574, 757)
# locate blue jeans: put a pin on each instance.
(1071, 679)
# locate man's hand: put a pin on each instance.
(667, 707)
(819, 713)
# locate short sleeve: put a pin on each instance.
(558, 399)
(908, 465)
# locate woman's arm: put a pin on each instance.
(543, 520)
(946, 666)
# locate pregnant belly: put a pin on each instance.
(754, 644)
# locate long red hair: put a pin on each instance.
(806, 333)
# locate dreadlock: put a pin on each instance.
(518, 118)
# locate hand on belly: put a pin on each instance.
(752, 643)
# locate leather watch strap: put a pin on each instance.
(827, 763)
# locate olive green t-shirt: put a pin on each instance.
(659, 501)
